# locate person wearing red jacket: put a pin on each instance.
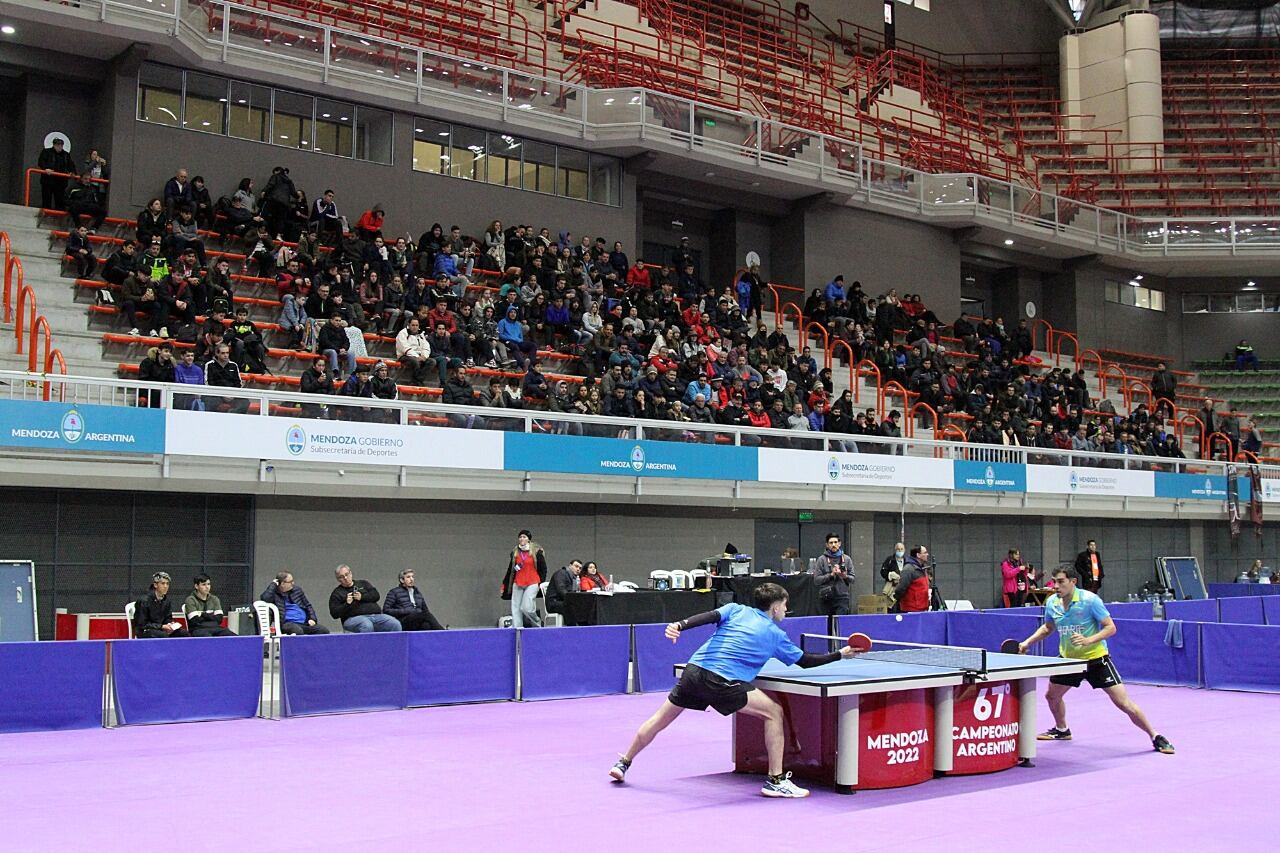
(369, 225)
(1013, 579)
(912, 591)
(638, 276)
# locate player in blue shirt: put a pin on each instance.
(720, 674)
(1083, 626)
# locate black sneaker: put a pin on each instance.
(619, 771)
(1161, 744)
(1055, 734)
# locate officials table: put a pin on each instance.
(802, 589)
(861, 723)
(635, 608)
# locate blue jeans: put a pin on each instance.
(332, 356)
(524, 607)
(373, 622)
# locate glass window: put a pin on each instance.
(1221, 304)
(250, 111)
(1111, 289)
(1128, 295)
(1271, 301)
(291, 120)
(1157, 300)
(571, 176)
(1141, 297)
(606, 180)
(467, 155)
(205, 106)
(1248, 301)
(504, 159)
(431, 147)
(160, 95)
(335, 127)
(373, 135)
(539, 167)
(1195, 303)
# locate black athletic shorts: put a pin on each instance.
(699, 688)
(1101, 673)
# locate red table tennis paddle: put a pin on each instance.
(1011, 647)
(859, 642)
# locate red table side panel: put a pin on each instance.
(985, 735)
(895, 732)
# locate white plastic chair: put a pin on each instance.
(268, 614)
(129, 610)
(659, 579)
(700, 579)
(548, 619)
(680, 579)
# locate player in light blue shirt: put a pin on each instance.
(720, 673)
(1084, 624)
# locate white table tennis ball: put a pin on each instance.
(898, 618)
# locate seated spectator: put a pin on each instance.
(122, 263)
(369, 225)
(158, 366)
(187, 372)
(406, 604)
(297, 616)
(86, 199)
(201, 203)
(222, 372)
(446, 269)
(511, 332)
(563, 581)
(354, 603)
(152, 222)
(591, 578)
(315, 380)
(204, 611)
(334, 345)
(1245, 356)
(325, 220)
(186, 235)
(153, 613)
(80, 250)
(243, 330)
(177, 192)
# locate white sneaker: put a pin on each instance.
(133, 333)
(784, 788)
(152, 334)
(164, 331)
(618, 772)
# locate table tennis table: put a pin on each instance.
(876, 722)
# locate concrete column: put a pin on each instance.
(1144, 91)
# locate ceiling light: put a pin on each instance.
(1138, 277)
(8, 29)
(1251, 284)
(1008, 242)
(324, 115)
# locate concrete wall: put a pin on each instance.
(1208, 336)
(988, 26)
(882, 252)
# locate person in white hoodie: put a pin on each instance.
(413, 350)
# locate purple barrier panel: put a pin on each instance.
(1271, 610)
(337, 673)
(185, 680)
(51, 686)
(563, 663)
(928, 628)
(794, 626)
(447, 667)
(656, 656)
(1140, 653)
(1201, 610)
(1242, 611)
(1131, 610)
(1241, 657)
(1231, 590)
(987, 629)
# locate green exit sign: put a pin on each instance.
(708, 122)
(804, 516)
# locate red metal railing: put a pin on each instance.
(1214, 438)
(868, 368)
(49, 358)
(817, 329)
(1048, 334)
(1058, 338)
(39, 325)
(24, 292)
(26, 192)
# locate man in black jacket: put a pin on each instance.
(153, 613)
(53, 188)
(354, 603)
(406, 604)
(121, 263)
(222, 372)
(563, 582)
(1089, 565)
(297, 616)
(1164, 384)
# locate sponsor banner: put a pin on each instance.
(990, 476)
(344, 442)
(570, 454)
(984, 733)
(1205, 487)
(854, 469)
(1270, 491)
(59, 426)
(1059, 479)
(895, 732)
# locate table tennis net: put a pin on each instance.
(908, 654)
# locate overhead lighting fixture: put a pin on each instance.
(1138, 277)
(1250, 284)
(8, 29)
(1008, 242)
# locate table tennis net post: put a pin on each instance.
(908, 654)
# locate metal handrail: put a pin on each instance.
(35, 170)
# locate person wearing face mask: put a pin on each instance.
(720, 675)
(833, 572)
(891, 568)
(526, 570)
